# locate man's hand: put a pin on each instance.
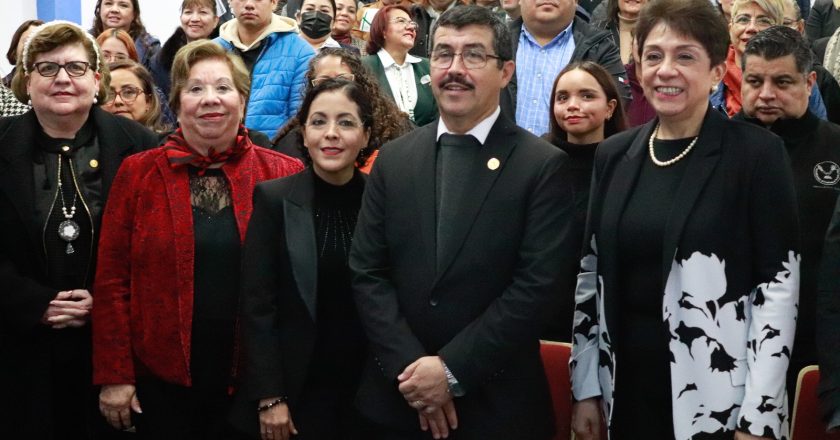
(423, 384)
(439, 420)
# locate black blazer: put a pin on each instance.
(484, 311)
(822, 21)
(279, 295)
(731, 235)
(23, 341)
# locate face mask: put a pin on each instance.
(315, 24)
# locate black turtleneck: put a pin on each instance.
(579, 171)
(340, 341)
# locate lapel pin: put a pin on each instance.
(94, 163)
(493, 164)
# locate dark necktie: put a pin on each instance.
(455, 159)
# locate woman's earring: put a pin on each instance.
(95, 100)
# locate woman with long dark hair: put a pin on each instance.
(586, 110)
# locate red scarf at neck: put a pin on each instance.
(732, 82)
(181, 154)
(343, 38)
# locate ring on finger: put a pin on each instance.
(418, 404)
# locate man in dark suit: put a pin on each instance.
(462, 238)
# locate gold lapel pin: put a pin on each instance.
(493, 164)
(94, 163)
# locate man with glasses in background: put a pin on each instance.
(461, 242)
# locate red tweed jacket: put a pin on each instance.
(143, 293)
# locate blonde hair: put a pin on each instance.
(775, 9)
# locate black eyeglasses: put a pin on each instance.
(128, 94)
(74, 69)
(472, 58)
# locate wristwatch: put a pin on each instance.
(455, 388)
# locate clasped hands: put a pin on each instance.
(424, 386)
(70, 308)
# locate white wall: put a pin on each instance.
(14, 13)
(159, 16)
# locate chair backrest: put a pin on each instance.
(807, 421)
(555, 357)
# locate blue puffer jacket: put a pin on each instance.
(277, 80)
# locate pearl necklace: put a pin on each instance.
(660, 163)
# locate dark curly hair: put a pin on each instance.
(389, 122)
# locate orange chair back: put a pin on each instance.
(555, 357)
(807, 417)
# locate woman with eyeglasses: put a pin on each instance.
(303, 341)
(132, 95)
(125, 16)
(388, 121)
(165, 326)
(403, 77)
(750, 17)
(57, 166)
(116, 45)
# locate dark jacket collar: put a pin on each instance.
(787, 129)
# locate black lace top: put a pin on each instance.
(216, 271)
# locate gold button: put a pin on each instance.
(94, 163)
(65, 148)
(493, 164)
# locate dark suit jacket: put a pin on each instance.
(822, 21)
(279, 295)
(484, 310)
(24, 342)
(426, 109)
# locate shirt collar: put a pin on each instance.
(330, 42)
(388, 61)
(480, 131)
(561, 36)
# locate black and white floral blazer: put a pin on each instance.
(731, 276)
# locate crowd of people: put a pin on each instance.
(330, 219)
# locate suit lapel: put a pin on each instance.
(500, 143)
(379, 70)
(16, 169)
(701, 162)
(300, 239)
(423, 161)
